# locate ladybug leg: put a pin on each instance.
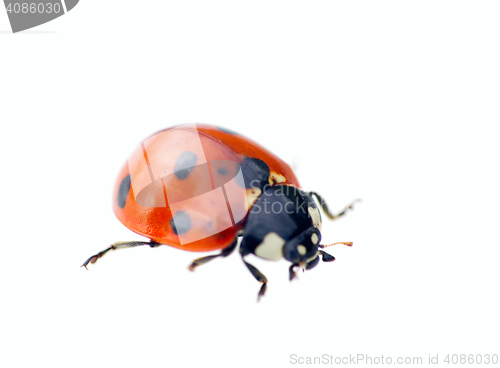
(327, 211)
(326, 257)
(257, 274)
(119, 245)
(292, 271)
(224, 253)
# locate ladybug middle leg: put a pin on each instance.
(224, 253)
(119, 245)
(326, 209)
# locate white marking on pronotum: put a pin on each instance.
(276, 178)
(252, 195)
(316, 217)
(314, 238)
(271, 247)
(301, 249)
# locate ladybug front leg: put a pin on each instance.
(119, 245)
(256, 273)
(326, 210)
(224, 253)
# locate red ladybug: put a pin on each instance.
(200, 187)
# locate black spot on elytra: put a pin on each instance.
(185, 164)
(123, 191)
(225, 130)
(181, 223)
(222, 171)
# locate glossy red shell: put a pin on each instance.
(156, 192)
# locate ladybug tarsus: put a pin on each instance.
(93, 259)
(199, 261)
(291, 272)
(262, 291)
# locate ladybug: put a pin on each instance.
(200, 188)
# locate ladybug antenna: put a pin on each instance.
(329, 245)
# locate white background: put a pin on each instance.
(393, 102)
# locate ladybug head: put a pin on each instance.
(305, 252)
(303, 248)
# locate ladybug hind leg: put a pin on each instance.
(119, 245)
(224, 253)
